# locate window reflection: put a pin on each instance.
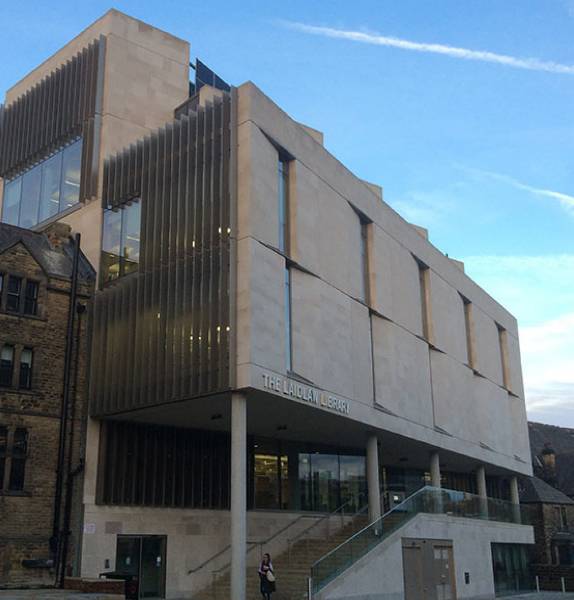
(121, 242)
(50, 194)
(46, 189)
(131, 237)
(11, 204)
(294, 476)
(30, 201)
(266, 481)
(71, 169)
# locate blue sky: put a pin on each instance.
(479, 148)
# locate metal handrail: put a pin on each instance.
(267, 541)
(253, 544)
(279, 532)
(379, 520)
(207, 561)
(326, 517)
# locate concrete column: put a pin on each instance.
(481, 488)
(481, 482)
(435, 469)
(515, 499)
(514, 495)
(238, 495)
(373, 479)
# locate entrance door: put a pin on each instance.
(428, 567)
(143, 556)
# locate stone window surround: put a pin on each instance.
(25, 278)
(15, 386)
(7, 457)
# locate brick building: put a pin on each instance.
(553, 523)
(553, 455)
(36, 283)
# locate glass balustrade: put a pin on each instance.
(426, 500)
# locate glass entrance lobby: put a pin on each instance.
(190, 468)
(295, 476)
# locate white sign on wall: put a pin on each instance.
(300, 391)
(89, 528)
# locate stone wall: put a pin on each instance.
(26, 516)
(550, 577)
(547, 523)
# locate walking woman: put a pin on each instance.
(266, 577)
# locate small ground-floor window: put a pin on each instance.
(511, 566)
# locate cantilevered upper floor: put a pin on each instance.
(235, 252)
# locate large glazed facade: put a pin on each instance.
(270, 341)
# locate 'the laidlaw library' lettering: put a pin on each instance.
(308, 394)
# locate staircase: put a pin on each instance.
(292, 567)
(325, 557)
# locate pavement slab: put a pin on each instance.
(54, 595)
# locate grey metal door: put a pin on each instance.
(428, 568)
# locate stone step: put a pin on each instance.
(292, 567)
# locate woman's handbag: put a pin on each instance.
(270, 577)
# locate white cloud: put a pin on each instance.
(565, 200)
(539, 291)
(427, 209)
(535, 289)
(532, 64)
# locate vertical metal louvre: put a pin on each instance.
(162, 333)
(163, 466)
(55, 111)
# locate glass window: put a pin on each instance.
(11, 204)
(31, 183)
(47, 188)
(50, 191)
(282, 184)
(353, 481)
(364, 260)
(18, 467)
(1, 285)
(131, 237)
(288, 333)
(26, 368)
(6, 365)
(111, 243)
(325, 481)
(511, 567)
(31, 298)
(13, 293)
(121, 241)
(3, 449)
(71, 171)
(266, 481)
(305, 488)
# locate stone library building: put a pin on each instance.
(276, 361)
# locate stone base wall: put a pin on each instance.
(95, 586)
(549, 577)
(192, 536)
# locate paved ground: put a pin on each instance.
(64, 595)
(541, 596)
(53, 595)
